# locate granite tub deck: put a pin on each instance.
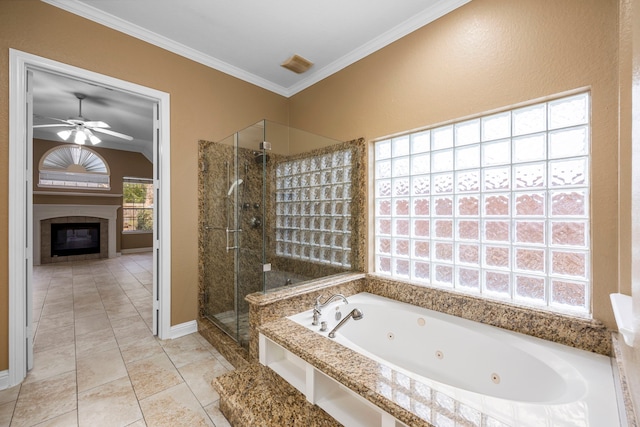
(375, 382)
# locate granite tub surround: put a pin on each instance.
(264, 308)
(229, 348)
(585, 334)
(409, 401)
(623, 358)
(257, 396)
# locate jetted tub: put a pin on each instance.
(518, 379)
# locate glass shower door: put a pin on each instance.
(232, 217)
(219, 186)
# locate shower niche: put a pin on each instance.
(276, 209)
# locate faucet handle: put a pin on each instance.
(318, 303)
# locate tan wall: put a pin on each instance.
(487, 55)
(136, 241)
(205, 104)
(121, 164)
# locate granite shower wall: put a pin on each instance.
(216, 264)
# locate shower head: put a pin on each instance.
(260, 156)
(235, 184)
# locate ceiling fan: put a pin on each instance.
(82, 128)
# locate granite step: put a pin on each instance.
(254, 395)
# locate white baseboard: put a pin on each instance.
(135, 250)
(4, 379)
(183, 329)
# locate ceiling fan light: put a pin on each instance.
(94, 139)
(64, 134)
(80, 138)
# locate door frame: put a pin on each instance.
(20, 243)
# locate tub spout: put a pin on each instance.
(319, 305)
(355, 313)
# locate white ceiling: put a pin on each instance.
(54, 97)
(247, 39)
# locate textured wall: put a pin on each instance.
(205, 104)
(487, 55)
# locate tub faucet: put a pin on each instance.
(319, 305)
(355, 313)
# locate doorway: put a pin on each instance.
(21, 228)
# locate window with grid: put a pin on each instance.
(496, 206)
(137, 204)
(313, 208)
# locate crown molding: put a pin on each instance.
(427, 16)
(93, 14)
(407, 27)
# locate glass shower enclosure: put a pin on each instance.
(251, 223)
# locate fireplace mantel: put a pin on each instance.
(46, 211)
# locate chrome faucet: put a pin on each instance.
(355, 313)
(319, 305)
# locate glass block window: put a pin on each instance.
(495, 206)
(313, 208)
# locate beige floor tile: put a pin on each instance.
(56, 320)
(133, 332)
(120, 311)
(96, 369)
(198, 376)
(6, 412)
(116, 360)
(57, 307)
(140, 349)
(111, 404)
(91, 309)
(174, 407)
(216, 416)
(185, 350)
(152, 375)
(70, 419)
(49, 363)
(88, 324)
(95, 342)
(9, 394)
(47, 339)
(45, 399)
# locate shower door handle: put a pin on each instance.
(228, 233)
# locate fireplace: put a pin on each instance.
(49, 216)
(75, 238)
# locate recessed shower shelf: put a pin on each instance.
(623, 312)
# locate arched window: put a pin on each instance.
(73, 166)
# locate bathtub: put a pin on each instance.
(517, 379)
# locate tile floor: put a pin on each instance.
(96, 362)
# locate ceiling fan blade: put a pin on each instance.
(53, 118)
(112, 133)
(96, 124)
(53, 126)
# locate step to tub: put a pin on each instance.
(254, 395)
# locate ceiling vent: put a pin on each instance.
(297, 64)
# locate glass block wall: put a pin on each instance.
(496, 206)
(313, 208)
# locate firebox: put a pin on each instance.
(75, 238)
